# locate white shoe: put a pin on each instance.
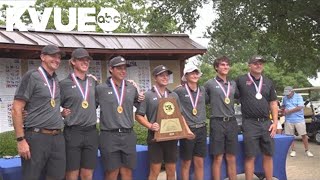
(293, 154)
(309, 154)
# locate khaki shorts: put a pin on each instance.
(300, 127)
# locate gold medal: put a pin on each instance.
(119, 109)
(227, 100)
(194, 111)
(84, 104)
(53, 103)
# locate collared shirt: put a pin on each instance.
(251, 107)
(186, 105)
(216, 97)
(290, 103)
(72, 99)
(35, 92)
(109, 117)
(149, 107)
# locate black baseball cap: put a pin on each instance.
(256, 58)
(51, 49)
(118, 61)
(80, 53)
(160, 69)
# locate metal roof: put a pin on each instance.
(163, 45)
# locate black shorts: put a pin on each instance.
(223, 136)
(118, 149)
(165, 151)
(256, 137)
(81, 147)
(47, 156)
(194, 147)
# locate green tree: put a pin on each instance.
(286, 31)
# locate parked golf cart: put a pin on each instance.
(311, 97)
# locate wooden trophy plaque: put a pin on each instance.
(170, 121)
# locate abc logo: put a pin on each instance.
(108, 19)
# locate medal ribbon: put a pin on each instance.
(258, 89)
(227, 94)
(115, 89)
(157, 91)
(86, 91)
(45, 78)
(194, 103)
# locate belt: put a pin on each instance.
(44, 131)
(224, 119)
(120, 130)
(258, 119)
(198, 125)
(81, 128)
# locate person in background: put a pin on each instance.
(223, 125)
(293, 110)
(79, 112)
(40, 141)
(193, 106)
(258, 98)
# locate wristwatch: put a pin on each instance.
(20, 138)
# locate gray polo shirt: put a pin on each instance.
(35, 92)
(71, 98)
(109, 117)
(251, 107)
(149, 106)
(216, 98)
(186, 105)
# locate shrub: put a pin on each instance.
(8, 144)
(142, 133)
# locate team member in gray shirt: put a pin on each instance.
(40, 141)
(79, 112)
(117, 138)
(193, 106)
(223, 124)
(158, 151)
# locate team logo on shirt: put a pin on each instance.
(248, 83)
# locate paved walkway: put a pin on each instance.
(300, 167)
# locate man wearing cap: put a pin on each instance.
(223, 125)
(40, 141)
(80, 117)
(146, 115)
(193, 106)
(294, 115)
(258, 98)
(117, 140)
